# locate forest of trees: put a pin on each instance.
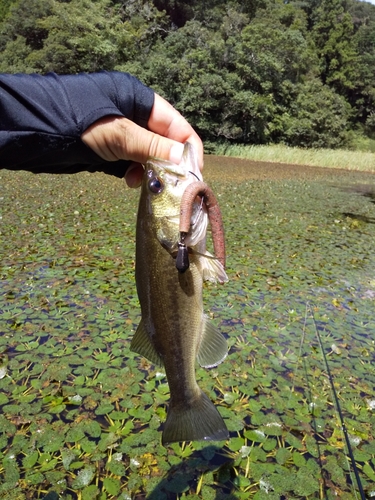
(298, 72)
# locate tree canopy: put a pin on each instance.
(252, 71)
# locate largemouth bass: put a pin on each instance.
(174, 331)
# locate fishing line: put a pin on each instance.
(338, 408)
(195, 175)
(310, 396)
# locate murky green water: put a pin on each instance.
(81, 415)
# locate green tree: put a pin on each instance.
(187, 67)
(363, 96)
(333, 33)
(14, 58)
(318, 117)
(20, 34)
(142, 26)
(4, 8)
(22, 21)
(272, 56)
(209, 12)
(81, 37)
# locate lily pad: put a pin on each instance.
(84, 477)
(112, 485)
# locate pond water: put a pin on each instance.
(80, 415)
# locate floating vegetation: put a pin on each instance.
(80, 415)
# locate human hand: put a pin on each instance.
(118, 138)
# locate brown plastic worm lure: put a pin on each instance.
(193, 190)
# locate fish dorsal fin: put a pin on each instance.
(213, 348)
(141, 344)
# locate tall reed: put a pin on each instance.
(332, 158)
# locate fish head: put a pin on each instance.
(164, 182)
(163, 185)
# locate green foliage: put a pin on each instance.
(78, 39)
(4, 8)
(364, 98)
(141, 27)
(15, 55)
(251, 72)
(318, 117)
(22, 21)
(69, 37)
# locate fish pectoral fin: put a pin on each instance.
(213, 348)
(211, 268)
(141, 344)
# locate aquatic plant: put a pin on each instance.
(80, 414)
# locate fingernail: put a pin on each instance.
(176, 152)
(133, 176)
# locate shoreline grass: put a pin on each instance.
(278, 153)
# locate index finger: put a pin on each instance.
(165, 120)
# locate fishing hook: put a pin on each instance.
(193, 190)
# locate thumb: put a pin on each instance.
(140, 144)
(117, 138)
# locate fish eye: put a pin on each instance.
(155, 185)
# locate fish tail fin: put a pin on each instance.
(199, 422)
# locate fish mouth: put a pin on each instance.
(188, 165)
(170, 173)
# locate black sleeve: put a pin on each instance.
(42, 119)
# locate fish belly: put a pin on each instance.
(172, 314)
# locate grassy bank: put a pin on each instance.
(331, 158)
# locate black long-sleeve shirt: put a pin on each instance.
(42, 119)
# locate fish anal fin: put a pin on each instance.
(199, 422)
(213, 348)
(141, 344)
